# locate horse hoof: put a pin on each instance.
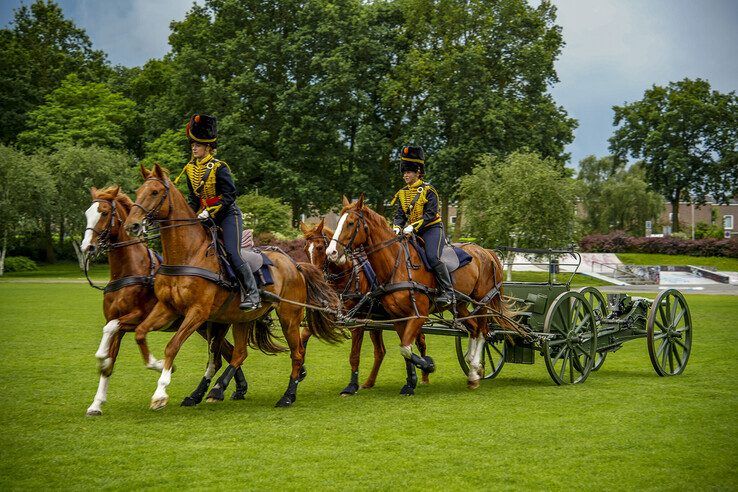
(367, 385)
(303, 374)
(431, 365)
(285, 401)
(159, 404)
(238, 395)
(94, 413)
(472, 385)
(350, 390)
(216, 394)
(189, 402)
(424, 380)
(407, 390)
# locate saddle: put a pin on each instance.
(257, 261)
(452, 256)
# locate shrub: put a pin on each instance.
(293, 247)
(20, 264)
(619, 242)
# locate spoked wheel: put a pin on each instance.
(599, 307)
(493, 357)
(570, 354)
(669, 333)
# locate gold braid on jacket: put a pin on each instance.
(406, 196)
(205, 191)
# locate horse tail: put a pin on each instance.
(261, 337)
(321, 324)
(502, 312)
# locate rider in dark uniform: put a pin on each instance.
(417, 212)
(213, 196)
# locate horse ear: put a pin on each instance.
(319, 227)
(304, 229)
(144, 171)
(360, 202)
(346, 201)
(93, 192)
(158, 171)
(114, 191)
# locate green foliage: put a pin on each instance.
(615, 198)
(19, 264)
(522, 200)
(687, 135)
(79, 113)
(169, 150)
(40, 49)
(264, 214)
(704, 230)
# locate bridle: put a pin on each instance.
(150, 215)
(103, 236)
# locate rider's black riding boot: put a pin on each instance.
(445, 287)
(246, 277)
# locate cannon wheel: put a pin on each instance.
(669, 333)
(571, 353)
(599, 306)
(493, 357)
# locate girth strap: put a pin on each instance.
(191, 271)
(127, 282)
(383, 290)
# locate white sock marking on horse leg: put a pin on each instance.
(93, 216)
(154, 363)
(210, 369)
(311, 248)
(108, 331)
(476, 364)
(161, 386)
(470, 350)
(100, 397)
(332, 250)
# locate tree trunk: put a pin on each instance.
(444, 212)
(62, 231)
(675, 213)
(80, 255)
(48, 241)
(3, 251)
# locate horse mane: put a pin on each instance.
(121, 198)
(373, 218)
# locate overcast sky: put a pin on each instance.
(615, 49)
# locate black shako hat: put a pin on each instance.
(202, 128)
(412, 159)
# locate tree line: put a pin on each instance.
(313, 99)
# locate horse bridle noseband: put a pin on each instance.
(103, 237)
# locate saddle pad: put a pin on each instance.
(259, 263)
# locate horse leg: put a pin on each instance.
(290, 317)
(409, 335)
(423, 349)
(159, 317)
(304, 337)
(379, 351)
(211, 368)
(357, 336)
(101, 396)
(217, 393)
(476, 371)
(103, 351)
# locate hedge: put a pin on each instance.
(19, 264)
(620, 242)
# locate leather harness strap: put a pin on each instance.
(191, 271)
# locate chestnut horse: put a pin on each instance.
(129, 296)
(480, 280)
(199, 296)
(349, 280)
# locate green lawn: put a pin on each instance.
(624, 428)
(719, 262)
(62, 270)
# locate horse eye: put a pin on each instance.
(320, 248)
(155, 193)
(104, 214)
(350, 224)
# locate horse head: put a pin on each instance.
(153, 200)
(352, 230)
(103, 219)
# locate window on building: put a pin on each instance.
(727, 221)
(453, 219)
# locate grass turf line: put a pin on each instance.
(624, 428)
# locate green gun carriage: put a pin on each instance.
(574, 330)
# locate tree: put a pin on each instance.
(77, 169)
(687, 135)
(522, 200)
(615, 198)
(39, 51)
(26, 193)
(169, 150)
(81, 114)
(265, 214)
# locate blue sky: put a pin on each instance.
(615, 49)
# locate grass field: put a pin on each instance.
(624, 428)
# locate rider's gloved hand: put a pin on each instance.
(204, 215)
(396, 229)
(408, 230)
